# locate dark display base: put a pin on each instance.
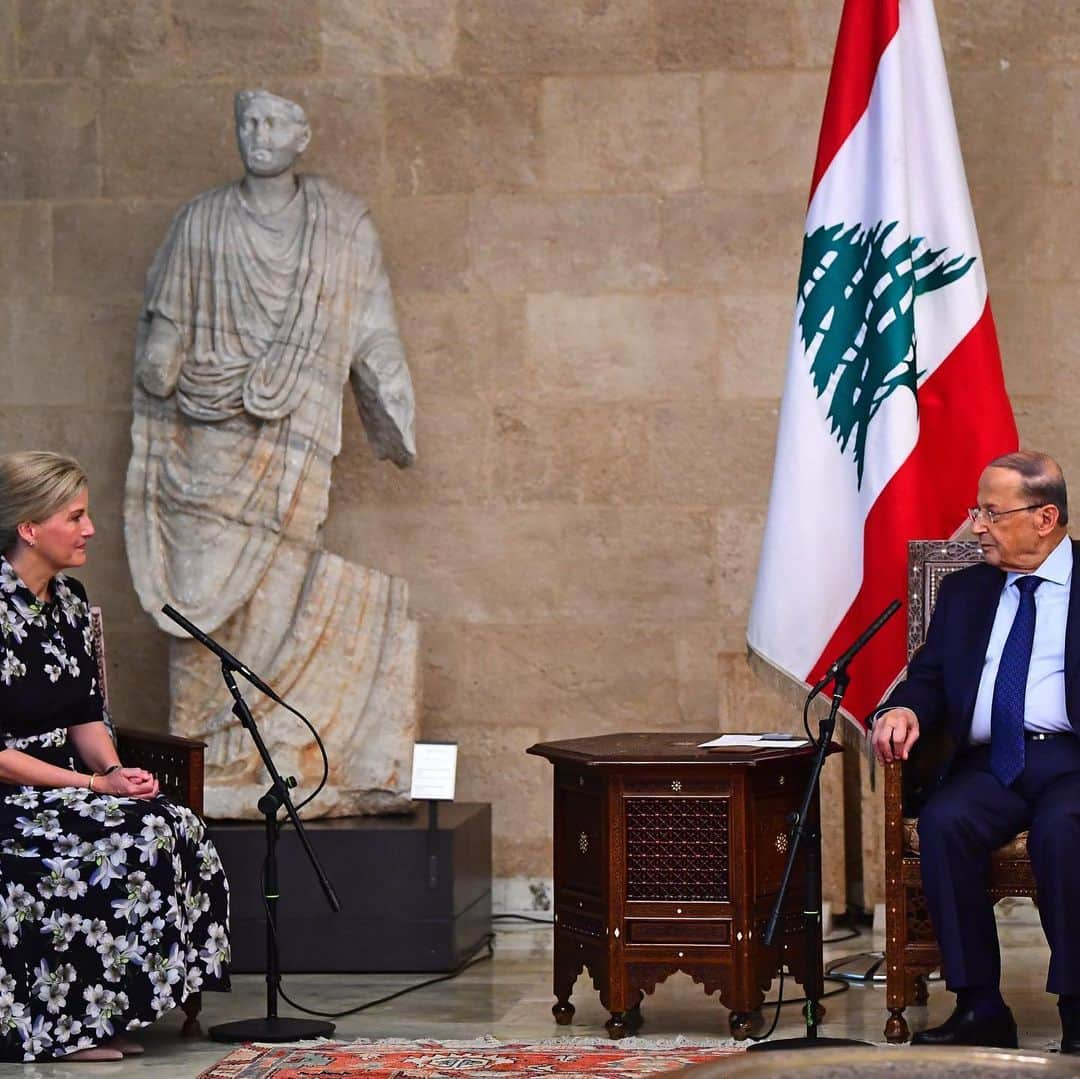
(412, 898)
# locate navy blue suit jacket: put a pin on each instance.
(943, 676)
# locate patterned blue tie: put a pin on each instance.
(1010, 688)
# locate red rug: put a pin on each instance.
(572, 1058)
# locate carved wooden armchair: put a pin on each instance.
(911, 950)
(177, 763)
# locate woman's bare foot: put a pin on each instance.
(96, 1052)
(127, 1046)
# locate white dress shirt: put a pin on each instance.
(1044, 701)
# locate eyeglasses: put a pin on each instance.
(992, 516)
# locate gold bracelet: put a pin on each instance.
(90, 785)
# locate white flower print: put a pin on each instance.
(45, 824)
(216, 949)
(11, 667)
(64, 880)
(11, 625)
(142, 898)
(115, 846)
(71, 846)
(100, 1004)
(117, 952)
(95, 930)
(68, 797)
(31, 611)
(106, 872)
(152, 930)
(38, 1039)
(65, 1028)
(10, 932)
(9, 579)
(193, 981)
(156, 836)
(25, 798)
(63, 927)
(209, 861)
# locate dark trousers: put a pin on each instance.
(969, 817)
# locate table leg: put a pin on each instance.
(563, 1011)
(565, 975)
(619, 1025)
(741, 1024)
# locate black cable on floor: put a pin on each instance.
(842, 988)
(523, 918)
(471, 961)
(780, 1002)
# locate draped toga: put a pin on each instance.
(229, 479)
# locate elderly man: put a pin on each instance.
(999, 672)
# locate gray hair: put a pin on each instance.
(34, 484)
(1041, 479)
(244, 98)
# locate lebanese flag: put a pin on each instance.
(894, 399)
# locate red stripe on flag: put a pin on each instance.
(866, 28)
(965, 420)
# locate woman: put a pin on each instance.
(113, 905)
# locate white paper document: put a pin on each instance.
(434, 771)
(755, 741)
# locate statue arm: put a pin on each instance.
(157, 363)
(379, 374)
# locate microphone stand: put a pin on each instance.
(807, 825)
(272, 1027)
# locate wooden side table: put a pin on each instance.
(669, 857)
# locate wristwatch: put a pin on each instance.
(112, 768)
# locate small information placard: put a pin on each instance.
(434, 771)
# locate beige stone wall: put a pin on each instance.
(592, 212)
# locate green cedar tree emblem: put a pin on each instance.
(858, 319)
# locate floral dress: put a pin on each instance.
(112, 910)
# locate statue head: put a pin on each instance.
(271, 131)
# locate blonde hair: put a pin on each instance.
(34, 484)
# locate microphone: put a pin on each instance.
(224, 654)
(860, 643)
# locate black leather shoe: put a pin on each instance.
(966, 1028)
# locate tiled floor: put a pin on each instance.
(510, 997)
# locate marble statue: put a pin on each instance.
(266, 296)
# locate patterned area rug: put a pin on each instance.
(573, 1058)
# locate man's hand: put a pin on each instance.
(895, 732)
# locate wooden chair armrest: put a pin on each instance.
(177, 762)
(154, 738)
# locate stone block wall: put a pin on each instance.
(592, 214)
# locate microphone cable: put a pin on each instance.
(487, 943)
(322, 750)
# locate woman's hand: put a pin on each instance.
(128, 783)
